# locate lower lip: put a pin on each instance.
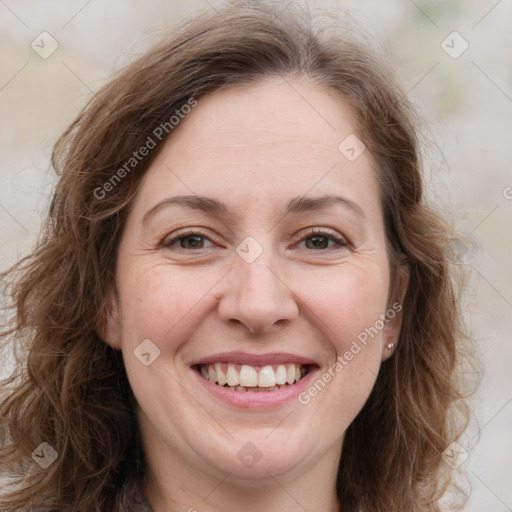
(257, 399)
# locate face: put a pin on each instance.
(271, 275)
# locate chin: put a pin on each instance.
(252, 459)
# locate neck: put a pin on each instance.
(180, 491)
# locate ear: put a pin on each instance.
(391, 331)
(108, 327)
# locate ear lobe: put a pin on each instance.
(393, 326)
(108, 327)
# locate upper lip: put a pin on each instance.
(254, 359)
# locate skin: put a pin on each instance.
(253, 148)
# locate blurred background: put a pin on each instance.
(454, 60)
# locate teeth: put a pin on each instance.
(266, 377)
(221, 378)
(241, 377)
(232, 376)
(281, 375)
(212, 374)
(290, 374)
(248, 376)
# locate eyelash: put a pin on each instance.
(340, 241)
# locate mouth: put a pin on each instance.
(246, 378)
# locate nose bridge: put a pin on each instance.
(259, 279)
(255, 294)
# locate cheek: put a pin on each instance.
(160, 303)
(350, 307)
(349, 301)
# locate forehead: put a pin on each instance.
(275, 112)
(278, 137)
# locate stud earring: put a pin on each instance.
(390, 345)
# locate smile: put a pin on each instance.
(248, 378)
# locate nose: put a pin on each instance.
(256, 298)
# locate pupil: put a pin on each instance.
(193, 240)
(318, 240)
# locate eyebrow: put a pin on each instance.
(220, 209)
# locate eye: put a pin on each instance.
(191, 238)
(188, 239)
(320, 237)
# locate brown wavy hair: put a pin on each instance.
(69, 388)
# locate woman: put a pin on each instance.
(240, 300)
